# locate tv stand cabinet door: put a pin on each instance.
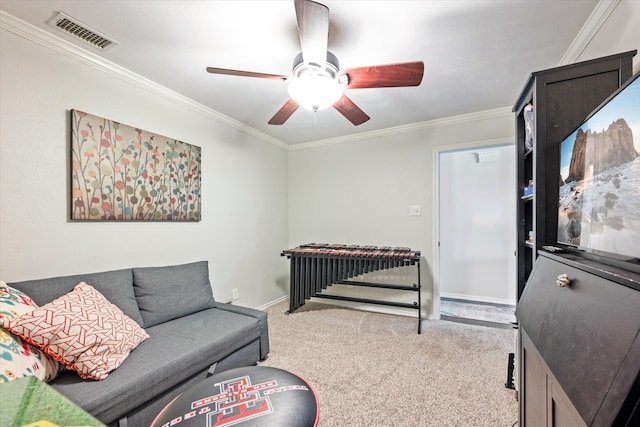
(561, 413)
(584, 333)
(533, 384)
(543, 403)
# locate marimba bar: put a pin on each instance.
(314, 267)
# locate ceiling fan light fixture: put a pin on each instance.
(315, 91)
(315, 86)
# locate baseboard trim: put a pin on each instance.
(476, 298)
(274, 302)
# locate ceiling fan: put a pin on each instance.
(317, 81)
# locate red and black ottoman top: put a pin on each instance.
(249, 396)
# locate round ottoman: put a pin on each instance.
(250, 396)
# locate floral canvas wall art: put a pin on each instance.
(122, 173)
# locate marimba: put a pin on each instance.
(316, 266)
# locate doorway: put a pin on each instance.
(476, 215)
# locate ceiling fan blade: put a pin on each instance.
(313, 29)
(226, 71)
(284, 112)
(392, 75)
(351, 111)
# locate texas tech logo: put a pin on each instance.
(238, 400)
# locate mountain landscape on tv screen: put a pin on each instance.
(599, 203)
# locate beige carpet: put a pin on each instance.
(372, 369)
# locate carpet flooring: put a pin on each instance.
(486, 312)
(370, 369)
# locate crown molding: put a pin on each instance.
(53, 42)
(50, 41)
(592, 25)
(414, 127)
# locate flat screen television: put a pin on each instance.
(599, 195)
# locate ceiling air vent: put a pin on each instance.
(77, 29)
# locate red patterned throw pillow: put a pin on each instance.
(82, 330)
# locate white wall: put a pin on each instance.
(359, 192)
(244, 182)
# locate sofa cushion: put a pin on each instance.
(116, 286)
(176, 351)
(260, 316)
(166, 293)
(82, 330)
(19, 358)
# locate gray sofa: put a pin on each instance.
(190, 335)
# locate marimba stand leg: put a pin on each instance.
(291, 310)
(419, 299)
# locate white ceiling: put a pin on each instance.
(477, 53)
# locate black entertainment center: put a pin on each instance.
(578, 285)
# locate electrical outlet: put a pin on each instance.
(414, 210)
(235, 294)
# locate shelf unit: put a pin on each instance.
(562, 98)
